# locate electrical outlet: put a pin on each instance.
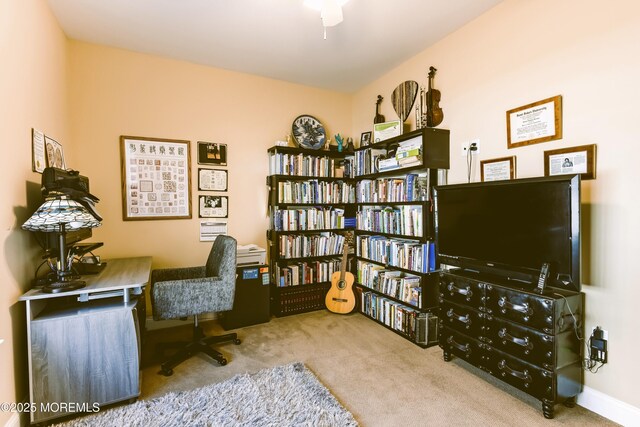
(475, 143)
(463, 148)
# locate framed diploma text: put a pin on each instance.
(535, 123)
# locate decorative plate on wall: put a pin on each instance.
(308, 132)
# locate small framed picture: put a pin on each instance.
(580, 159)
(212, 153)
(213, 206)
(212, 179)
(498, 169)
(55, 154)
(365, 139)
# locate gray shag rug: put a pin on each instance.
(289, 395)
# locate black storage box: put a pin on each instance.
(251, 304)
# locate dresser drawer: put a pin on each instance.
(524, 343)
(463, 346)
(529, 378)
(461, 290)
(462, 318)
(528, 309)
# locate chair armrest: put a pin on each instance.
(180, 298)
(167, 274)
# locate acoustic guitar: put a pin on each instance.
(340, 298)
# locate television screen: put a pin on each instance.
(510, 228)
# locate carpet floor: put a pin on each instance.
(381, 378)
(284, 396)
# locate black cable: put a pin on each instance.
(469, 164)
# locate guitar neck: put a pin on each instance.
(343, 264)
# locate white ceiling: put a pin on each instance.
(280, 39)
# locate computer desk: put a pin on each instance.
(84, 345)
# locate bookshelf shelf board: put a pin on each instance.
(392, 172)
(415, 202)
(394, 299)
(306, 178)
(282, 260)
(393, 267)
(399, 236)
(282, 204)
(324, 230)
(305, 285)
(298, 150)
(402, 334)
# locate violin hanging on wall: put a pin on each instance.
(379, 118)
(434, 112)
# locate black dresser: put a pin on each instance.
(525, 339)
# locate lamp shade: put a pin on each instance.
(52, 213)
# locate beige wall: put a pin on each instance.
(115, 92)
(524, 51)
(32, 94)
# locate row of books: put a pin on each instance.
(366, 161)
(322, 244)
(393, 314)
(409, 152)
(305, 273)
(413, 187)
(301, 165)
(307, 218)
(402, 286)
(314, 191)
(402, 253)
(406, 220)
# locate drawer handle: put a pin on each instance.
(462, 291)
(524, 375)
(523, 342)
(520, 308)
(466, 349)
(464, 319)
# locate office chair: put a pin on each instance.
(190, 291)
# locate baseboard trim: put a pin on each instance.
(613, 409)
(14, 420)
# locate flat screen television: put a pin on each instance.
(510, 228)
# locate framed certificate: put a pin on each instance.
(498, 169)
(213, 206)
(535, 123)
(212, 179)
(571, 160)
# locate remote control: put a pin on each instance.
(542, 280)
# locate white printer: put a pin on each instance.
(251, 255)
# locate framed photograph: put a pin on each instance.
(213, 206)
(212, 179)
(212, 153)
(571, 160)
(535, 123)
(365, 139)
(209, 229)
(386, 130)
(55, 153)
(155, 178)
(498, 169)
(39, 160)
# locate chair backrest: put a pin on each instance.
(222, 258)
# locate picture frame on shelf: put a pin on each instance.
(571, 160)
(156, 180)
(535, 123)
(386, 130)
(55, 153)
(499, 169)
(38, 152)
(365, 138)
(212, 153)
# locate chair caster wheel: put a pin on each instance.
(222, 361)
(166, 372)
(237, 341)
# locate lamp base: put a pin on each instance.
(57, 287)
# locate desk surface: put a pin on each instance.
(119, 274)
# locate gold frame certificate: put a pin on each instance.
(535, 123)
